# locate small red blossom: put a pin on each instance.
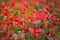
(47, 8)
(9, 26)
(30, 19)
(51, 25)
(1, 24)
(36, 30)
(19, 37)
(31, 30)
(12, 4)
(36, 34)
(51, 34)
(5, 12)
(11, 32)
(12, 38)
(54, 16)
(58, 20)
(3, 5)
(58, 29)
(39, 16)
(46, 15)
(24, 5)
(25, 28)
(5, 36)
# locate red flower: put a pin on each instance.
(5, 12)
(11, 32)
(12, 38)
(22, 10)
(36, 31)
(21, 21)
(47, 1)
(9, 26)
(54, 16)
(58, 29)
(6, 20)
(51, 34)
(30, 19)
(5, 36)
(1, 24)
(36, 2)
(36, 34)
(46, 16)
(24, 5)
(51, 25)
(39, 16)
(31, 30)
(12, 4)
(25, 28)
(11, 17)
(47, 7)
(58, 6)
(58, 20)
(19, 37)
(5, 29)
(3, 5)
(18, 20)
(33, 12)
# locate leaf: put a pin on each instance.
(25, 20)
(28, 11)
(27, 37)
(51, 38)
(56, 32)
(16, 14)
(43, 38)
(33, 6)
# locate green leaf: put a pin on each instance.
(25, 20)
(28, 11)
(56, 32)
(33, 6)
(27, 36)
(44, 38)
(16, 14)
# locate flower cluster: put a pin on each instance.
(20, 21)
